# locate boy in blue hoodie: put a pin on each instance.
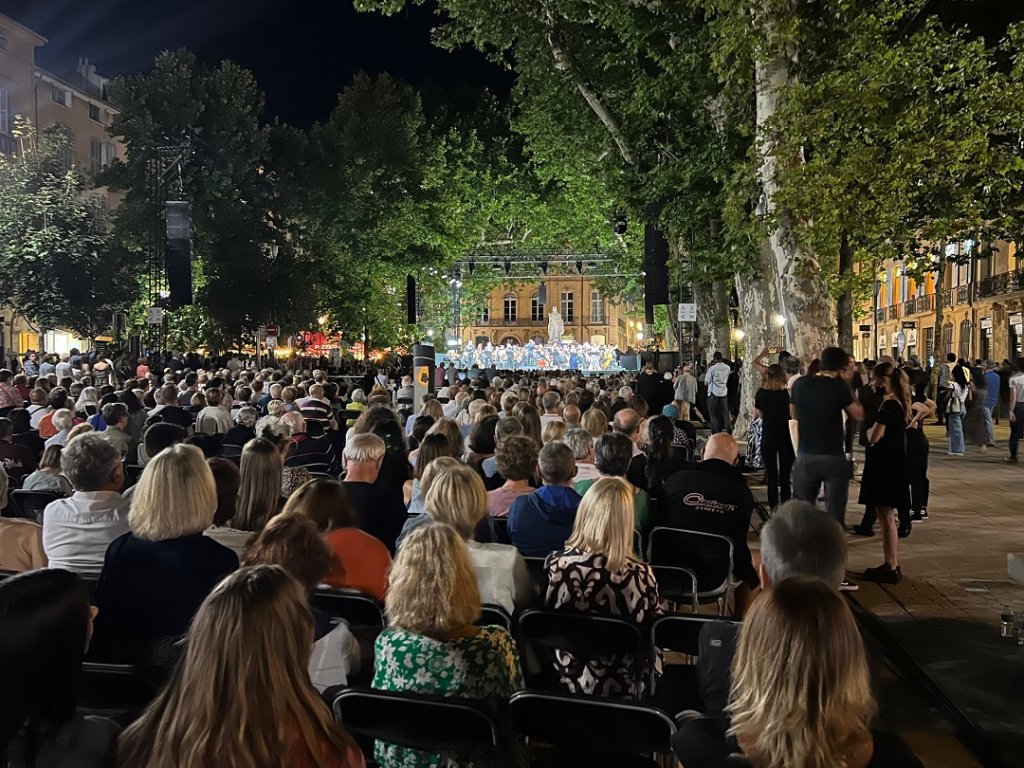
(540, 522)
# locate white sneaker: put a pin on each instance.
(848, 586)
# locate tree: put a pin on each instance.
(58, 265)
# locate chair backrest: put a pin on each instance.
(585, 636)
(496, 615)
(638, 543)
(114, 690)
(30, 504)
(233, 452)
(359, 610)
(417, 721)
(588, 725)
(4, 574)
(500, 526)
(133, 472)
(708, 555)
(535, 567)
(680, 633)
(676, 584)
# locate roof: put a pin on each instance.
(8, 21)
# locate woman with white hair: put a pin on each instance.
(63, 421)
(244, 429)
(88, 403)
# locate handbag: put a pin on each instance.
(955, 404)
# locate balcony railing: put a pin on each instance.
(919, 305)
(894, 312)
(521, 322)
(948, 297)
(963, 294)
(997, 285)
(880, 315)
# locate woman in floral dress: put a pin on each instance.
(431, 645)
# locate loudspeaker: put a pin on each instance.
(655, 262)
(410, 299)
(178, 258)
(179, 220)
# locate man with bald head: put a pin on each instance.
(713, 497)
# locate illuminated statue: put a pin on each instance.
(555, 326)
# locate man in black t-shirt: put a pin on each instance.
(818, 403)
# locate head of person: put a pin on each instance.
(258, 620)
(293, 542)
(213, 396)
(571, 415)
(775, 378)
(433, 583)
(595, 422)
(457, 497)
(63, 420)
(162, 435)
(612, 453)
(508, 401)
(324, 501)
(553, 432)
(259, 495)
(516, 457)
(433, 447)
(37, 396)
(834, 360)
(791, 365)
(801, 691)
(605, 521)
(556, 464)
(581, 444)
(296, 424)
(451, 430)
(529, 417)
(799, 539)
(169, 395)
(550, 401)
(115, 415)
(507, 427)
(92, 463)
(50, 462)
(959, 376)
(722, 446)
(245, 417)
(434, 409)
(627, 422)
(716, 357)
(881, 372)
(176, 496)
(45, 627)
(363, 456)
(78, 430)
(227, 480)
(481, 437)
(951, 358)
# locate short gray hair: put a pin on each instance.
(364, 447)
(63, 419)
(89, 462)
(550, 400)
(246, 416)
(801, 539)
(580, 441)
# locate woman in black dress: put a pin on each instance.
(885, 484)
(771, 403)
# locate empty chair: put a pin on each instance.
(708, 555)
(678, 585)
(117, 691)
(677, 689)
(30, 504)
(358, 609)
(567, 731)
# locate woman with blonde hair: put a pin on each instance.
(431, 644)
(457, 498)
(450, 429)
(529, 416)
(259, 495)
(595, 422)
(241, 696)
(801, 692)
(597, 573)
(155, 576)
(88, 402)
(553, 432)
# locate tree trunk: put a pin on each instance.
(759, 302)
(844, 307)
(712, 317)
(803, 296)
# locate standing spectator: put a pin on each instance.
(991, 414)
(717, 380)
(975, 429)
(540, 522)
(942, 388)
(686, 387)
(1016, 410)
(917, 461)
(78, 530)
(771, 403)
(956, 406)
(31, 365)
(818, 404)
(431, 645)
(254, 632)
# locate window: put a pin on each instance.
(511, 305)
(929, 342)
(567, 306)
(536, 309)
(485, 314)
(109, 154)
(95, 155)
(5, 112)
(94, 112)
(60, 96)
(947, 338)
(596, 307)
(965, 339)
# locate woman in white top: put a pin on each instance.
(457, 497)
(213, 419)
(956, 408)
(88, 403)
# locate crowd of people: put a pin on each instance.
(195, 512)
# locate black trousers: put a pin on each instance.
(777, 452)
(917, 468)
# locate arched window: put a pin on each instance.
(947, 338)
(536, 309)
(966, 335)
(511, 307)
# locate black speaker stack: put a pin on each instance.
(656, 281)
(178, 252)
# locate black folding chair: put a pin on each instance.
(30, 504)
(676, 584)
(117, 691)
(535, 565)
(359, 610)
(491, 614)
(588, 731)
(708, 555)
(432, 724)
(500, 527)
(133, 472)
(585, 636)
(4, 574)
(677, 689)
(231, 452)
(638, 543)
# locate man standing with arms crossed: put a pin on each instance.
(717, 379)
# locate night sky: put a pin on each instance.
(302, 52)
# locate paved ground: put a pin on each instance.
(945, 614)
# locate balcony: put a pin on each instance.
(948, 297)
(963, 294)
(919, 305)
(880, 315)
(997, 285)
(894, 312)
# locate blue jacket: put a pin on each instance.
(540, 522)
(991, 388)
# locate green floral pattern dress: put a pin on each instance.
(484, 666)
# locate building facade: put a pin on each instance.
(519, 311)
(974, 310)
(77, 102)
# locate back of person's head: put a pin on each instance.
(791, 365)
(433, 583)
(78, 430)
(209, 444)
(245, 416)
(612, 454)
(113, 413)
(801, 691)
(364, 448)
(432, 447)
(241, 694)
(169, 395)
(530, 419)
(834, 359)
(162, 435)
(722, 446)
(516, 457)
(959, 375)
(51, 457)
(433, 409)
(450, 429)
(44, 631)
(800, 539)
(324, 501)
(227, 480)
(481, 437)
(775, 378)
(626, 421)
(553, 431)
(371, 417)
(580, 443)
(951, 358)
(63, 420)
(595, 421)
(295, 422)
(37, 396)
(92, 463)
(604, 522)
(458, 498)
(259, 496)
(293, 542)
(176, 496)
(507, 427)
(550, 400)
(557, 464)
(571, 414)
(213, 396)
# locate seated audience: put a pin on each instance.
(214, 419)
(155, 576)
(77, 530)
(713, 497)
(582, 445)
(157, 437)
(360, 561)
(380, 513)
(23, 433)
(228, 480)
(63, 421)
(801, 691)
(38, 407)
(662, 459)
(48, 477)
(612, 456)
(431, 644)
(115, 416)
(308, 447)
(597, 573)
(553, 432)
(540, 522)
(507, 426)
(18, 460)
(244, 429)
(45, 626)
(259, 496)
(517, 463)
(21, 544)
(293, 542)
(457, 498)
(279, 433)
(57, 400)
(481, 442)
(595, 422)
(253, 634)
(432, 448)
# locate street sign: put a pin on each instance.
(271, 330)
(155, 316)
(271, 342)
(687, 313)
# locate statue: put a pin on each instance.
(555, 326)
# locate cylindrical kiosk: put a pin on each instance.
(422, 373)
